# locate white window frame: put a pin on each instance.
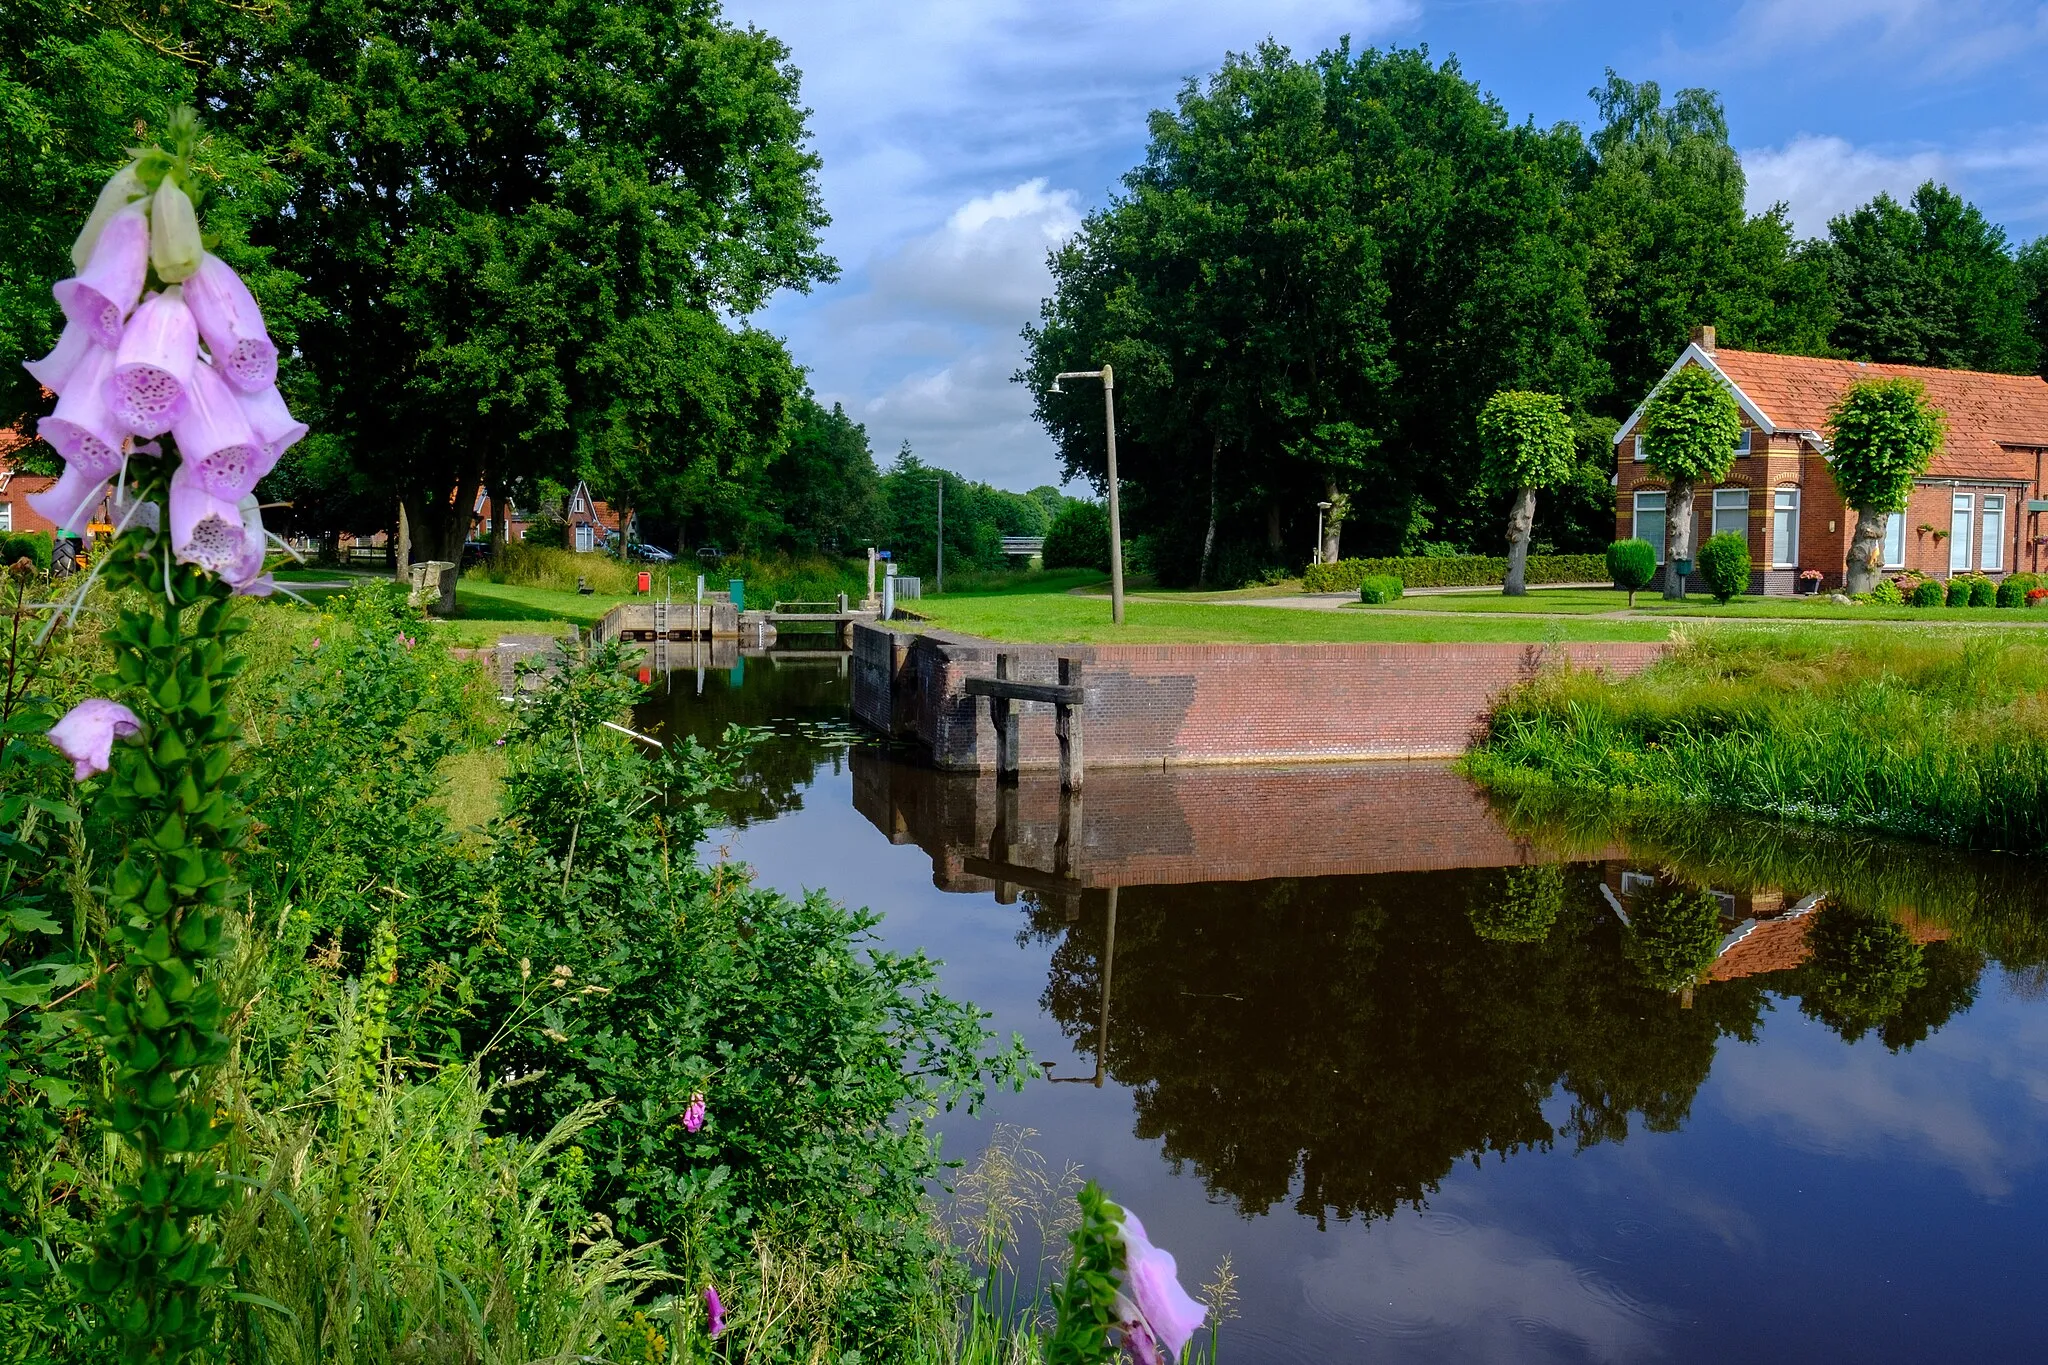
(6, 518)
(1991, 533)
(1962, 518)
(1895, 540)
(1662, 512)
(1633, 883)
(585, 538)
(1743, 443)
(1785, 528)
(1725, 504)
(1637, 443)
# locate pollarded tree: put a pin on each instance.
(1884, 433)
(1689, 430)
(1525, 443)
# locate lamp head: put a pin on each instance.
(1055, 387)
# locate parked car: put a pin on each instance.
(710, 554)
(652, 554)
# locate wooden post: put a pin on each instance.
(1003, 712)
(1067, 723)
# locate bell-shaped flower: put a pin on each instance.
(174, 245)
(153, 367)
(130, 513)
(276, 429)
(714, 1313)
(1152, 1308)
(68, 503)
(84, 428)
(221, 537)
(693, 1117)
(123, 189)
(214, 438)
(100, 297)
(231, 324)
(53, 371)
(86, 735)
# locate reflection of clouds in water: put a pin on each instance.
(1476, 1293)
(1940, 1101)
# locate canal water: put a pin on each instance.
(1449, 1079)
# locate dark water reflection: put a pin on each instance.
(1452, 1079)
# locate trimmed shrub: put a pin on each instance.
(1887, 594)
(1452, 571)
(1079, 537)
(1724, 565)
(1927, 593)
(31, 545)
(2013, 591)
(1380, 587)
(1632, 564)
(1958, 592)
(1983, 593)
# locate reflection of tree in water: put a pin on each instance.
(1357, 1035)
(1517, 904)
(1673, 932)
(1865, 972)
(797, 711)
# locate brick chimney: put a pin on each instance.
(1703, 337)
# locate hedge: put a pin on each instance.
(1379, 587)
(33, 545)
(1452, 571)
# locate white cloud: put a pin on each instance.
(987, 263)
(1930, 39)
(1820, 177)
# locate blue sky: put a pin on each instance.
(963, 138)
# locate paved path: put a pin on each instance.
(1336, 601)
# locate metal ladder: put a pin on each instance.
(661, 637)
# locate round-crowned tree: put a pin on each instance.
(1632, 564)
(1883, 434)
(1517, 904)
(1689, 430)
(1525, 442)
(1078, 537)
(1863, 967)
(1673, 936)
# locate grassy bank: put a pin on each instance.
(1940, 737)
(1613, 601)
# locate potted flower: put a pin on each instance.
(1809, 581)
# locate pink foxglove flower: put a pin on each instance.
(206, 529)
(68, 503)
(102, 295)
(130, 513)
(123, 189)
(83, 428)
(693, 1117)
(153, 368)
(86, 735)
(231, 324)
(276, 429)
(214, 438)
(714, 1312)
(1156, 1314)
(53, 371)
(174, 245)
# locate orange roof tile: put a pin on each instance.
(1776, 945)
(1986, 412)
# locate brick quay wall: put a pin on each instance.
(1169, 705)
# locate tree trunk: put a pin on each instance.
(1866, 552)
(1333, 520)
(401, 545)
(1678, 528)
(1521, 520)
(1273, 542)
(1209, 536)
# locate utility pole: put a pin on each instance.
(1116, 529)
(941, 575)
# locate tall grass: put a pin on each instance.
(1939, 739)
(813, 578)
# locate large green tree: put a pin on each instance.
(1883, 435)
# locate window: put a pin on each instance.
(1742, 442)
(1731, 511)
(1636, 444)
(583, 537)
(1649, 524)
(1991, 541)
(1895, 541)
(6, 516)
(1785, 528)
(1959, 530)
(1634, 882)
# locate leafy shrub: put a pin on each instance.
(1452, 571)
(1983, 592)
(1632, 564)
(1863, 967)
(2013, 591)
(1673, 934)
(32, 545)
(1517, 904)
(1927, 593)
(1377, 588)
(548, 533)
(1724, 565)
(1079, 537)
(1958, 594)
(1887, 594)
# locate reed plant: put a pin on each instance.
(1933, 738)
(810, 578)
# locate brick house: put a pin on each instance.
(593, 524)
(1977, 509)
(15, 487)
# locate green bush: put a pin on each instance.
(1983, 592)
(2012, 592)
(1632, 564)
(1724, 565)
(1958, 594)
(1927, 593)
(32, 545)
(547, 534)
(1382, 587)
(1078, 538)
(1887, 594)
(1452, 571)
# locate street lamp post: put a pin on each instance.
(1116, 528)
(941, 574)
(1317, 557)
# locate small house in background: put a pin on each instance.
(1979, 508)
(595, 525)
(516, 521)
(16, 486)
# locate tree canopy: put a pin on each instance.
(1882, 435)
(1690, 426)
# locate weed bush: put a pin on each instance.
(1958, 594)
(1078, 538)
(34, 546)
(1377, 588)
(1983, 592)
(1452, 571)
(1927, 593)
(1887, 594)
(2012, 591)
(1632, 564)
(1724, 565)
(814, 578)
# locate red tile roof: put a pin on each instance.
(1987, 413)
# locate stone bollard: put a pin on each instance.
(429, 579)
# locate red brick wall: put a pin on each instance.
(22, 516)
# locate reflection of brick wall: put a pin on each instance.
(1196, 704)
(1155, 827)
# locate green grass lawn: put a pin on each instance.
(1599, 601)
